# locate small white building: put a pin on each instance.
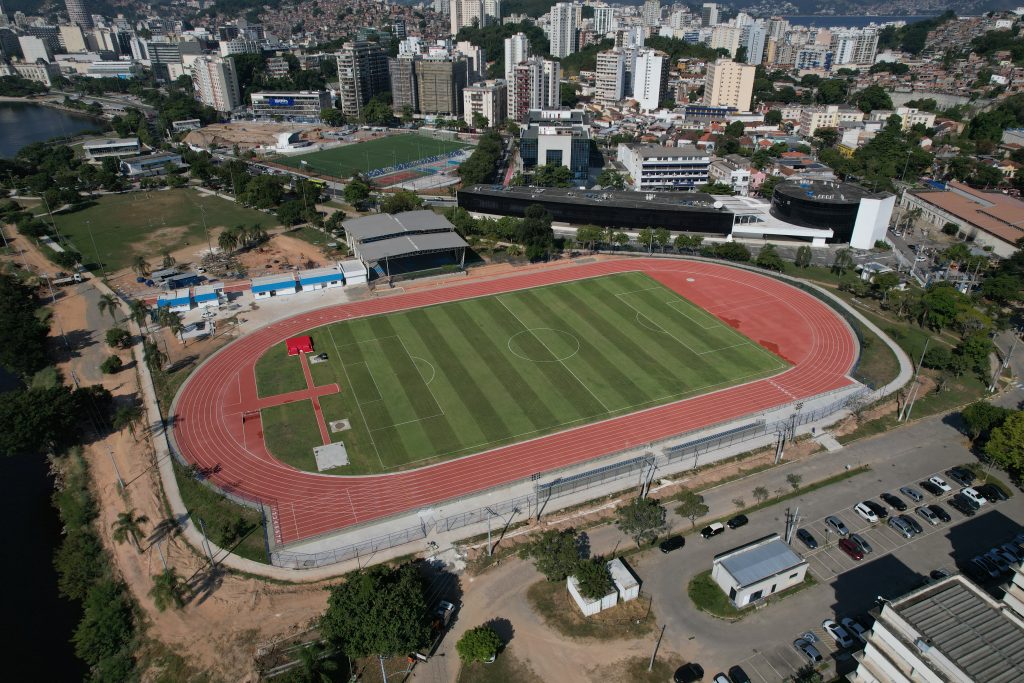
(354, 272)
(96, 150)
(208, 296)
(280, 284)
(176, 301)
(757, 569)
(587, 606)
(626, 582)
(320, 278)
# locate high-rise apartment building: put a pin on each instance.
(467, 13)
(517, 49)
(728, 84)
(726, 37)
(362, 73)
(492, 11)
(650, 78)
(652, 13)
(563, 29)
(439, 84)
(757, 41)
(709, 14)
(535, 85)
(78, 13)
(604, 20)
(487, 99)
(403, 84)
(73, 38)
(610, 75)
(215, 82)
(857, 46)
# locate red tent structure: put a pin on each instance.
(297, 345)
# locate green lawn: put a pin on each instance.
(279, 373)
(445, 381)
(344, 161)
(117, 228)
(290, 432)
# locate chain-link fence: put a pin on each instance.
(355, 551)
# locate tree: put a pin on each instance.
(826, 137)
(127, 526)
(767, 187)
(594, 578)
(620, 239)
(106, 626)
(734, 129)
(981, 417)
(760, 494)
(1005, 446)
(111, 365)
(808, 674)
(794, 479)
(552, 175)
(153, 356)
(842, 262)
(357, 191)
(227, 240)
(950, 229)
(773, 117)
(641, 519)
(480, 121)
(378, 611)
(661, 238)
(315, 665)
(611, 180)
(332, 117)
(168, 590)
(127, 417)
(732, 251)
(400, 201)
(645, 238)
(107, 303)
(291, 212)
(46, 420)
(769, 258)
(22, 334)
(589, 235)
(937, 357)
(873, 97)
(478, 644)
(691, 506)
(140, 266)
(803, 256)
(555, 553)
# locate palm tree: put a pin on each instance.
(167, 590)
(127, 417)
(154, 357)
(168, 260)
(128, 525)
(108, 304)
(140, 266)
(228, 239)
(139, 312)
(315, 662)
(171, 321)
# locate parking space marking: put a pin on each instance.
(755, 662)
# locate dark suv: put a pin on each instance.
(961, 475)
(894, 501)
(670, 544)
(737, 521)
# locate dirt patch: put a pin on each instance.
(248, 135)
(281, 253)
(161, 240)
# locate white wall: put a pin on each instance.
(872, 222)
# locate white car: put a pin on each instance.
(838, 633)
(865, 512)
(941, 483)
(854, 627)
(974, 495)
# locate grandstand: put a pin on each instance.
(391, 244)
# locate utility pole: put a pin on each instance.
(120, 481)
(657, 644)
(206, 541)
(917, 372)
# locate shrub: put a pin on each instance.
(594, 578)
(950, 229)
(118, 337)
(478, 644)
(112, 365)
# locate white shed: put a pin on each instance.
(208, 296)
(354, 271)
(587, 606)
(758, 569)
(281, 284)
(626, 582)
(319, 278)
(178, 301)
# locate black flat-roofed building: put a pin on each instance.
(834, 205)
(390, 244)
(679, 212)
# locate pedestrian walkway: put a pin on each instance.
(828, 442)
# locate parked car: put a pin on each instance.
(865, 547)
(999, 560)
(991, 492)
(940, 483)
(672, 543)
(807, 538)
(940, 512)
(866, 513)
(912, 523)
(720, 677)
(807, 650)
(838, 633)
(894, 502)
(926, 513)
(837, 525)
(901, 527)
(931, 488)
(854, 628)
(911, 493)
(738, 675)
(689, 673)
(712, 530)
(972, 494)
(963, 504)
(988, 565)
(976, 571)
(879, 510)
(1014, 550)
(938, 574)
(737, 521)
(961, 475)
(851, 549)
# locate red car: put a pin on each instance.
(851, 548)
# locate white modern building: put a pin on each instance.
(854, 46)
(757, 570)
(730, 173)
(563, 29)
(653, 167)
(828, 116)
(34, 49)
(729, 84)
(96, 150)
(909, 115)
(650, 78)
(303, 106)
(610, 75)
(216, 83)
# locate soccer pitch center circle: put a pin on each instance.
(210, 429)
(555, 345)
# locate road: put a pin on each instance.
(762, 642)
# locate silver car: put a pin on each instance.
(837, 525)
(862, 543)
(912, 493)
(901, 527)
(925, 512)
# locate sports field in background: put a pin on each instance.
(344, 161)
(118, 227)
(445, 381)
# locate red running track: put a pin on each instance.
(209, 431)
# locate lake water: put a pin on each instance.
(22, 123)
(847, 22)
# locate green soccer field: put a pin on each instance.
(342, 162)
(445, 381)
